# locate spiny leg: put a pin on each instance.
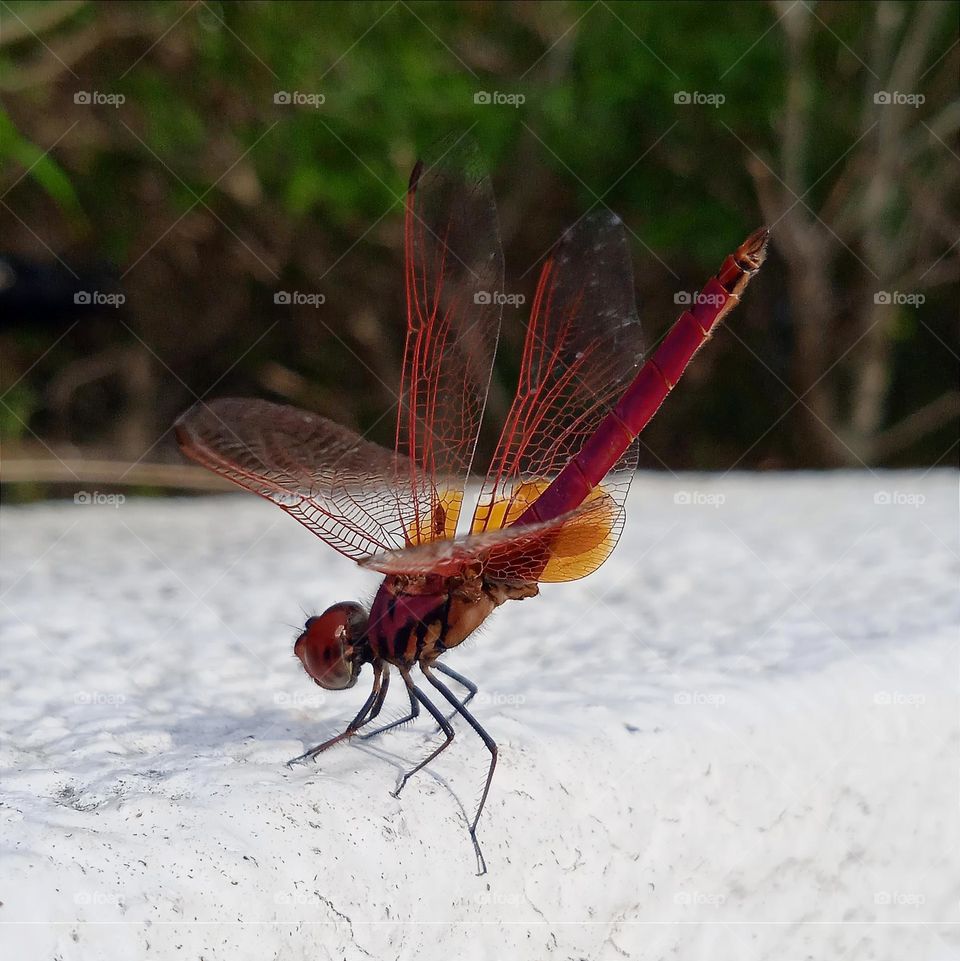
(460, 679)
(437, 716)
(371, 708)
(491, 747)
(414, 713)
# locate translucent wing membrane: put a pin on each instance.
(397, 512)
(454, 283)
(583, 348)
(353, 494)
(562, 549)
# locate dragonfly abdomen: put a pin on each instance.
(648, 390)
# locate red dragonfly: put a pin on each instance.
(551, 506)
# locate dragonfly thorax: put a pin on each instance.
(332, 647)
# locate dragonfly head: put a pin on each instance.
(332, 645)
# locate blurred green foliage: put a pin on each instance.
(204, 195)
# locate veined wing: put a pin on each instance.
(582, 349)
(454, 280)
(353, 494)
(545, 551)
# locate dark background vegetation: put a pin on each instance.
(199, 197)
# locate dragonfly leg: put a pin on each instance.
(460, 679)
(491, 747)
(437, 716)
(371, 708)
(414, 713)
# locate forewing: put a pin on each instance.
(559, 549)
(582, 349)
(454, 283)
(350, 492)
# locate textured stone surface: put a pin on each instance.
(738, 739)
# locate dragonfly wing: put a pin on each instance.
(353, 494)
(454, 279)
(582, 349)
(525, 553)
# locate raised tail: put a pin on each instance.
(658, 376)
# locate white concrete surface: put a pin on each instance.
(739, 739)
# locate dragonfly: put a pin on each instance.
(551, 504)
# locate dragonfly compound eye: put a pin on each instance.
(329, 647)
